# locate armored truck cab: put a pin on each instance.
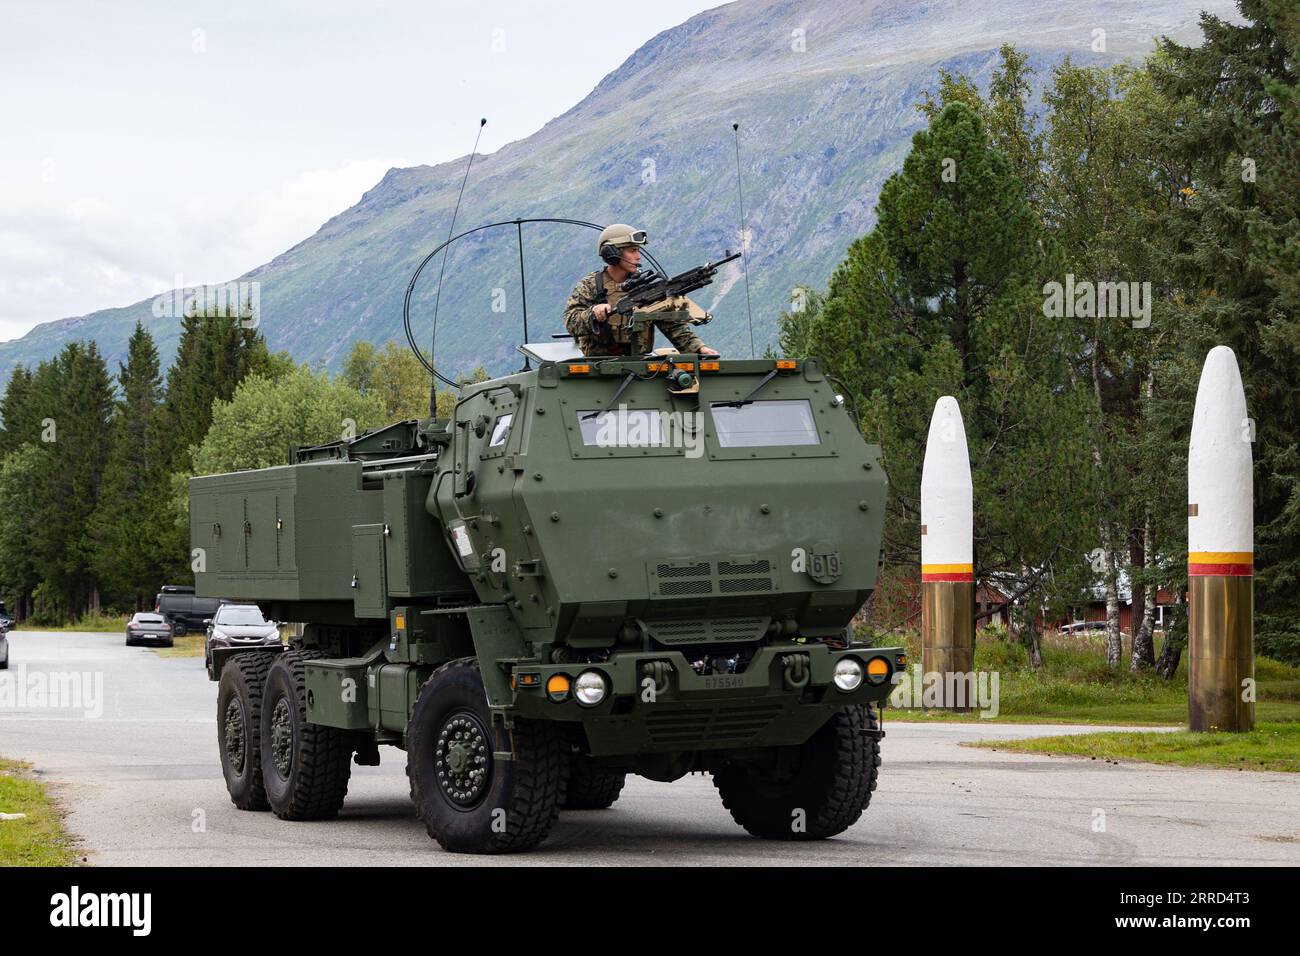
(596, 567)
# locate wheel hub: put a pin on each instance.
(235, 735)
(462, 759)
(282, 737)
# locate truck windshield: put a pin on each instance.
(763, 423)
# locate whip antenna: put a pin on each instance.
(433, 342)
(744, 240)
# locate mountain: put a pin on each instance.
(825, 92)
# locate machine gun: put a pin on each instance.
(647, 288)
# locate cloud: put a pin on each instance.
(70, 257)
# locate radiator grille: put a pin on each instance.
(684, 570)
(691, 578)
(722, 631)
(744, 585)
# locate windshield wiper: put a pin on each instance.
(631, 377)
(749, 399)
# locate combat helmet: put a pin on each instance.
(617, 236)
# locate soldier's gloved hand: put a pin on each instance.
(600, 313)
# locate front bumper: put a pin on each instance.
(657, 703)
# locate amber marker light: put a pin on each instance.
(877, 670)
(557, 687)
(710, 366)
(786, 365)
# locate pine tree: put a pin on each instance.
(16, 422)
(72, 398)
(124, 525)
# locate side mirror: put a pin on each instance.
(207, 620)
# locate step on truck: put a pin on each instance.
(595, 568)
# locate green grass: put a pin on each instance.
(106, 623)
(191, 645)
(1075, 685)
(1270, 746)
(39, 840)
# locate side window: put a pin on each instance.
(501, 431)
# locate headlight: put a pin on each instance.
(848, 674)
(590, 688)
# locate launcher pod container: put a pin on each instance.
(597, 567)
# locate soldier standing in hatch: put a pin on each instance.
(598, 331)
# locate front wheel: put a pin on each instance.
(592, 787)
(468, 800)
(810, 792)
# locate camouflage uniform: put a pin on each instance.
(672, 317)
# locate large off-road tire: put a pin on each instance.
(591, 787)
(823, 794)
(239, 727)
(305, 766)
(469, 801)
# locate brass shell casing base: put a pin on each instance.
(1221, 653)
(948, 634)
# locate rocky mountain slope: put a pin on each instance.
(825, 92)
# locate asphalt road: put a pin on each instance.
(136, 765)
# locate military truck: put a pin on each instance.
(596, 567)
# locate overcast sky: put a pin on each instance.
(145, 141)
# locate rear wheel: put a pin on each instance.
(592, 787)
(468, 800)
(306, 766)
(239, 719)
(813, 791)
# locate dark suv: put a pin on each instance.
(178, 604)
